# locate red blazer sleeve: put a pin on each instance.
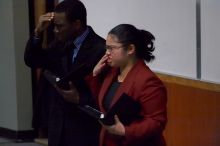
(94, 84)
(153, 99)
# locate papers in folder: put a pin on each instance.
(125, 108)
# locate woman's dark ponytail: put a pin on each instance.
(146, 45)
(143, 40)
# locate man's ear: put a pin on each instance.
(131, 49)
(77, 24)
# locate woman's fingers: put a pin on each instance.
(104, 58)
(101, 64)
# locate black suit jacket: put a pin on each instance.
(67, 125)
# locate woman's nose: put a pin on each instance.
(107, 52)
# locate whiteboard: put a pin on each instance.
(210, 46)
(173, 22)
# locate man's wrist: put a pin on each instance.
(37, 33)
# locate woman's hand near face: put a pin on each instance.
(101, 65)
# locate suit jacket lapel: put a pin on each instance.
(83, 51)
(124, 87)
(106, 84)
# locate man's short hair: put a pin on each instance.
(74, 10)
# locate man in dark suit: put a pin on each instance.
(75, 44)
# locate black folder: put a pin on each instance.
(63, 82)
(125, 108)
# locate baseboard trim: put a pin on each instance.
(41, 141)
(18, 135)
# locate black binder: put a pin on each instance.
(125, 108)
(63, 82)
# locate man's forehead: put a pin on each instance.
(59, 17)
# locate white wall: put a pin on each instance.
(15, 85)
(171, 21)
(23, 73)
(8, 101)
(210, 25)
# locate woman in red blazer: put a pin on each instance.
(123, 70)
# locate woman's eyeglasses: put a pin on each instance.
(111, 48)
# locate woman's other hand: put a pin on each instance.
(116, 129)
